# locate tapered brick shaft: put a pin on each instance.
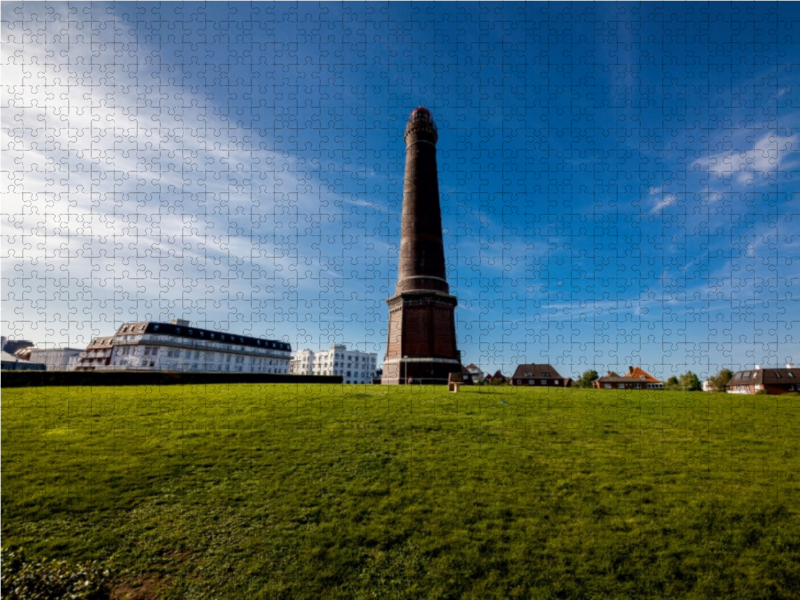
(421, 344)
(421, 248)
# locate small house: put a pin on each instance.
(539, 375)
(773, 381)
(635, 379)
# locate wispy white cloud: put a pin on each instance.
(131, 184)
(661, 200)
(770, 153)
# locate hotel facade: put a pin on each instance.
(177, 346)
(354, 366)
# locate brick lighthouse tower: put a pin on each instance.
(422, 331)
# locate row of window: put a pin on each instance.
(746, 388)
(222, 336)
(131, 328)
(207, 367)
(638, 386)
(341, 362)
(176, 353)
(747, 374)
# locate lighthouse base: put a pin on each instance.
(421, 348)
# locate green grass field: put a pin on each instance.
(273, 491)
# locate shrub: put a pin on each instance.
(28, 580)
(688, 382)
(719, 383)
(586, 379)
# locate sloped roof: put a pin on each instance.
(186, 331)
(638, 373)
(16, 359)
(537, 371)
(768, 376)
(634, 375)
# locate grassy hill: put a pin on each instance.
(278, 491)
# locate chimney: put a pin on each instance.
(630, 370)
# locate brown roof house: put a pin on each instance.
(636, 379)
(543, 375)
(498, 377)
(773, 381)
(475, 372)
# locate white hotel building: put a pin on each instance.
(176, 346)
(56, 359)
(353, 365)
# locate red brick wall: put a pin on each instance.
(780, 389)
(417, 331)
(444, 326)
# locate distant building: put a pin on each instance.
(474, 372)
(353, 365)
(11, 346)
(56, 359)
(13, 363)
(302, 363)
(97, 354)
(498, 377)
(539, 375)
(24, 353)
(636, 379)
(773, 381)
(176, 346)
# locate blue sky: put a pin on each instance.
(619, 182)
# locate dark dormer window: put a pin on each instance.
(191, 332)
(213, 336)
(177, 330)
(546, 374)
(155, 327)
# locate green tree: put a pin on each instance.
(672, 384)
(720, 381)
(689, 382)
(586, 379)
